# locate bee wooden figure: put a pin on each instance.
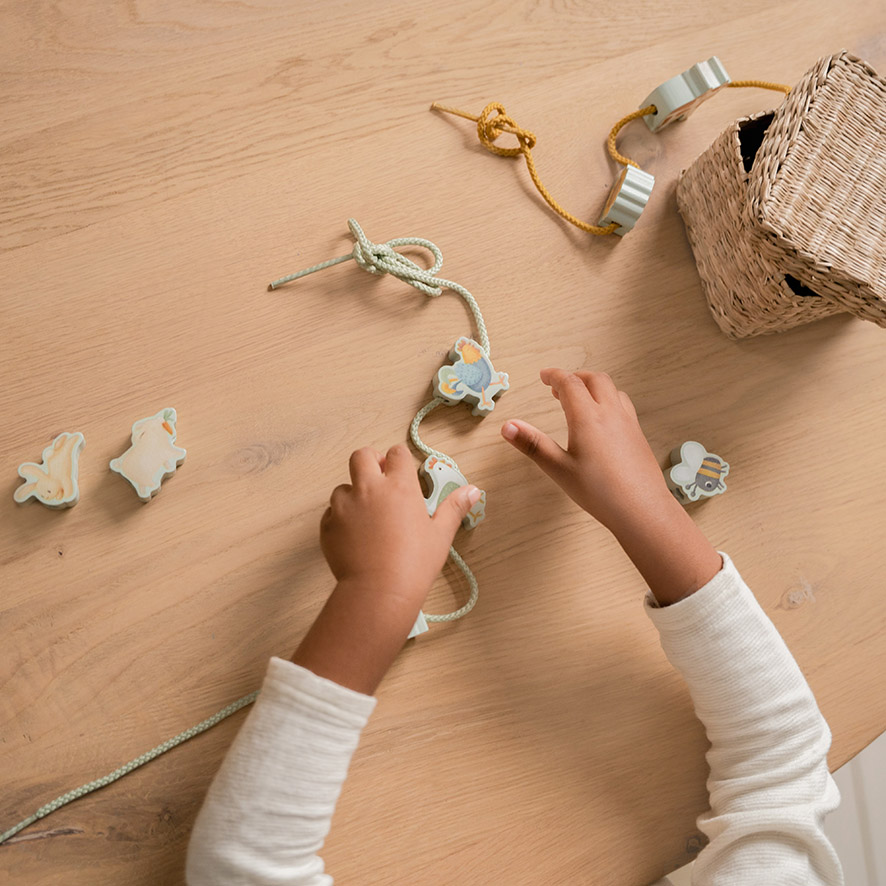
(471, 377)
(695, 473)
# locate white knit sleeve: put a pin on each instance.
(769, 784)
(269, 807)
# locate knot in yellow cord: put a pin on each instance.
(491, 123)
(494, 120)
(490, 127)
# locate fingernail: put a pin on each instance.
(473, 494)
(509, 431)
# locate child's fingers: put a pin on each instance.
(398, 461)
(600, 384)
(454, 508)
(338, 494)
(532, 442)
(364, 463)
(627, 403)
(573, 394)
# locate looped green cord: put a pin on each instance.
(381, 258)
(376, 259)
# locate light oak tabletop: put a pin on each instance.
(160, 163)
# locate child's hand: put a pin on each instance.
(376, 532)
(607, 468)
(385, 551)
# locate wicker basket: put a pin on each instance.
(786, 211)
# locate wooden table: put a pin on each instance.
(161, 162)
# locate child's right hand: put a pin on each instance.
(607, 467)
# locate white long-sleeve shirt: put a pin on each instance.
(269, 807)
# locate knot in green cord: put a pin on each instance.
(382, 258)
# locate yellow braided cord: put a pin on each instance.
(492, 122)
(610, 142)
(760, 84)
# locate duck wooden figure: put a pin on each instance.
(786, 211)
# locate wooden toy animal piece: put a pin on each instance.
(471, 377)
(444, 478)
(695, 473)
(54, 483)
(152, 456)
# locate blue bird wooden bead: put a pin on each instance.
(471, 377)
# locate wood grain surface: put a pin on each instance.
(160, 162)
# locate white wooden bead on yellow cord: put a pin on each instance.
(627, 199)
(676, 98)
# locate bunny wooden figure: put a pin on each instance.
(152, 456)
(54, 483)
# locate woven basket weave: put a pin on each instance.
(786, 211)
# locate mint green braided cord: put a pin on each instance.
(168, 745)
(381, 258)
(376, 259)
(472, 583)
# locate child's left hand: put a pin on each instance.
(385, 551)
(376, 532)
